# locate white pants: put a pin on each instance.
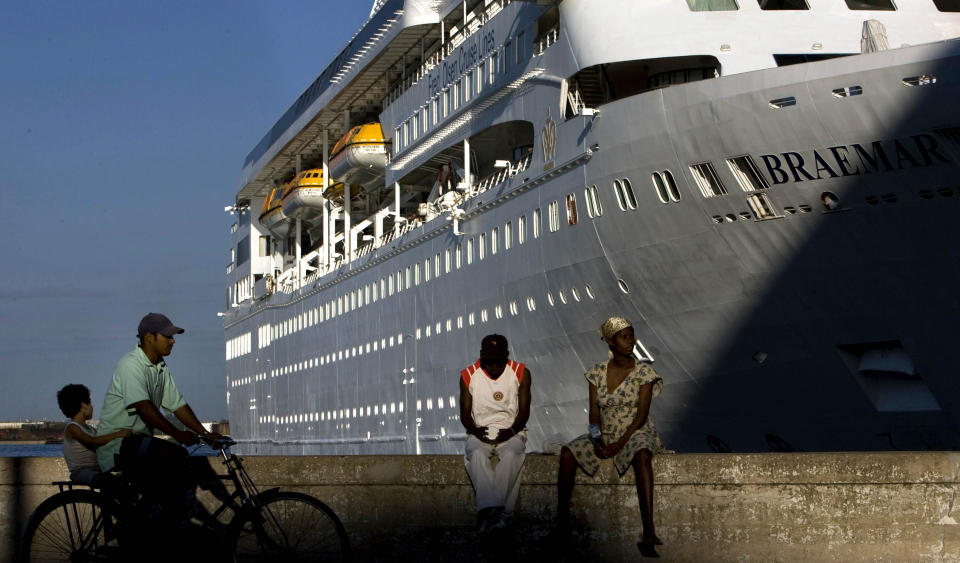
(496, 486)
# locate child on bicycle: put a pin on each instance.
(79, 438)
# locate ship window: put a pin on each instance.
(398, 137)
(661, 188)
(468, 91)
(870, 5)
(531, 304)
(446, 261)
(589, 291)
(399, 281)
(264, 246)
(507, 235)
(498, 310)
(628, 192)
(592, 196)
(390, 284)
(575, 293)
(434, 111)
(522, 229)
(366, 293)
(447, 102)
(426, 270)
(514, 310)
(562, 296)
(671, 185)
(947, 5)
(460, 321)
(571, 209)
(783, 5)
(536, 223)
(553, 211)
(707, 179)
(494, 236)
(416, 274)
(459, 255)
(747, 173)
(621, 199)
(483, 245)
(415, 125)
(481, 76)
(493, 67)
(507, 48)
(483, 316)
(712, 5)
(470, 251)
(471, 319)
(761, 206)
(457, 87)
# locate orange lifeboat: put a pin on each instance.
(303, 197)
(272, 216)
(360, 156)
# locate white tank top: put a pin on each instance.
(76, 454)
(495, 401)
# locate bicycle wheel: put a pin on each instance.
(290, 527)
(77, 525)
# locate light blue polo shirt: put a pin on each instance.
(135, 379)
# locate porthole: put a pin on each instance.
(589, 291)
(661, 188)
(483, 316)
(575, 293)
(531, 304)
(623, 286)
(562, 296)
(717, 218)
(550, 299)
(671, 185)
(513, 308)
(498, 311)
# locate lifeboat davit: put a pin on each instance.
(360, 156)
(272, 216)
(303, 196)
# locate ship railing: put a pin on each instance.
(501, 175)
(547, 40)
(457, 35)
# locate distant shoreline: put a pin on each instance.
(22, 442)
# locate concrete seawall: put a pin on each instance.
(896, 506)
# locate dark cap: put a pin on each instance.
(494, 347)
(156, 323)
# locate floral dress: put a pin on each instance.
(617, 410)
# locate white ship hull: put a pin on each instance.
(757, 319)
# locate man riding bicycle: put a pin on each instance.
(141, 385)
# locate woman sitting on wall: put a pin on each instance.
(620, 427)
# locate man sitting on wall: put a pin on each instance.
(494, 408)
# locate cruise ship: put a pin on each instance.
(768, 189)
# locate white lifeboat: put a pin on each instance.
(360, 156)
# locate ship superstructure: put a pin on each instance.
(767, 189)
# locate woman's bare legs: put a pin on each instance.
(566, 475)
(643, 471)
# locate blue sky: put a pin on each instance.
(123, 127)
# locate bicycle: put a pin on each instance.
(272, 525)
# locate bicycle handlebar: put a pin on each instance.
(218, 443)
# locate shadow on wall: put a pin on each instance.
(850, 342)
